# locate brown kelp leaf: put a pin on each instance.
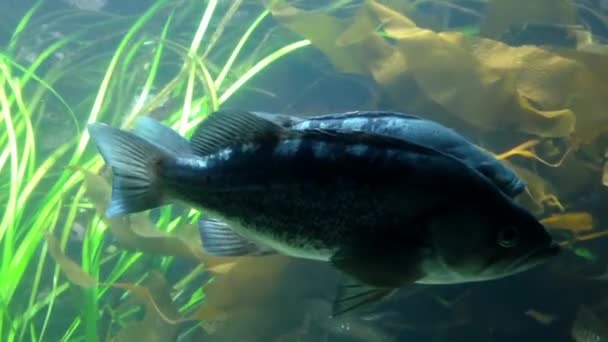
(222, 265)
(248, 283)
(243, 282)
(562, 168)
(222, 268)
(504, 14)
(162, 316)
(484, 82)
(575, 222)
(98, 188)
(526, 150)
(573, 178)
(72, 271)
(584, 236)
(137, 231)
(160, 322)
(595, 61)
(353, 47)
(591, 236)
(323, 33)
(568, 162)
(605, 174)
(523, 150)
(263, 307)
(539, 192)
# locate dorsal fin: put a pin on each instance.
(368, 114)
(229, 127)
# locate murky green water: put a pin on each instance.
(525, 80)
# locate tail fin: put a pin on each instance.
(134, 162)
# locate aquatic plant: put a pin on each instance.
(493, 80)
(41, 197)
(65, 267)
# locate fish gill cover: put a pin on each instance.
(539, 106)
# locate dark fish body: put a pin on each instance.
(416, 129)
(308, 195)
(385, 209)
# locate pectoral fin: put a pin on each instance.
(381, 267)
(378, 273)
(219, 239)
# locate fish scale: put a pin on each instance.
(311, 202)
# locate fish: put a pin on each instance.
(385, 211)
(588, 327)
(414, 128)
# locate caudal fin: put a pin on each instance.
(134, 162)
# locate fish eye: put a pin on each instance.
(508, 237)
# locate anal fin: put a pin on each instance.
(352, 296)
(219, 239)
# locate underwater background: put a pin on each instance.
(524, 79)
